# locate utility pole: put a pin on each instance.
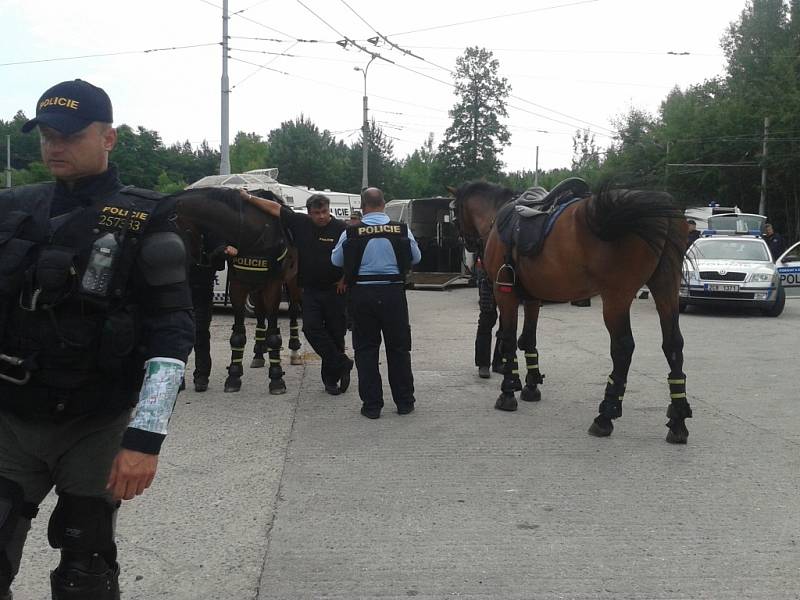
(225, 158)
(536, 173)
(762, 203)
(8, 161)
(365, 129)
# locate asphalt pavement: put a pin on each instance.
(297, 496)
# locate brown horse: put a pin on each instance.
(263, 254)
(610, 244)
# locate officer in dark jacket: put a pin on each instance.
(376, 255)
(94, 316)
(324, 323)
(487, 319)
(775, 241)
(210, 258)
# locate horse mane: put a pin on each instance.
(498, 194)
(268, 195)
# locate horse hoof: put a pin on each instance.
(601, 427)
(257, 363)
(530, 394)
(506, 402)
(276, 388)
(679, 437)
(295, 359)
(233, 385)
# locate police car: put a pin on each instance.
(730, 265)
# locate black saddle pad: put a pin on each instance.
(527, 234)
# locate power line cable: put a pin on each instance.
(503, 16)
(103, 54)
(452, 73)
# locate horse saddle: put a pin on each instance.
(526, 222)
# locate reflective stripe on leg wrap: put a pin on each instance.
(294, 337)
(534, 376)
(238, 342)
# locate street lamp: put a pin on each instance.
(365, 128)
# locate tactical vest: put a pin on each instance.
(358, 236)
(63, 350)
(257, 270)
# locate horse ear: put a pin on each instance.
(451, 190)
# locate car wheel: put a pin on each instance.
(777, 308)
(682, 307)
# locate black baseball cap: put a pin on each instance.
(70, 106)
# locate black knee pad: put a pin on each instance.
(238, 339)
(83, 524)
(82, 527)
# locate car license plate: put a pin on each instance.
(723, 287)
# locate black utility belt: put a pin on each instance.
(43, 402)
(385, 277)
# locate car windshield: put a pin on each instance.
(739, 223)
(730, 249)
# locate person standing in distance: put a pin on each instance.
(324, 322)
(775, 241)
(209, 258)
(376, 255)
(95, 319)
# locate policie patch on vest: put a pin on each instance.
(117, 218)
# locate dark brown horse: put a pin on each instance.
(259, 272)
(610, 244)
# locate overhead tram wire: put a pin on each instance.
(264, 66)
(104, 54)
(503, 16)
(452, 73)
(251, 20)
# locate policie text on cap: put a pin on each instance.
(70, 106)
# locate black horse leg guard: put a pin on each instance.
(276, 383)
(533, 379)
(513, 372)
(260, 346)
(294, 336)
(238, 342)
(678, 410)
(611, 406)
(83, 529)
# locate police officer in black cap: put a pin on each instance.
(94, 317)
(376, 255)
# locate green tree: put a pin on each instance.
(472, 145)
(303, 154)
(381, 170)
(249, 152)
(418, 175)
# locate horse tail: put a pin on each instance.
(651, 215)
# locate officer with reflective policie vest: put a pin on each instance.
(95, 319)
(376, 255)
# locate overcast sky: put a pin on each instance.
(570, 63)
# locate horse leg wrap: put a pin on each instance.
(511, 372)
(294, 337)
(611, 406)
(534, 376)
(238, 341)
(274, 341)
(679, 406)
(261, 341)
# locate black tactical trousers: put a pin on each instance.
(382, 309)
(203, 302)
(324, 326)
(487, 318)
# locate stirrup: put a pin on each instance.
(14, 362)
(505, 286)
